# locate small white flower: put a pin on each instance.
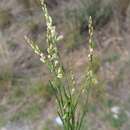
(43, 59)
(91, 50)
(59, 70)
(41, 54)
(115, 116)
(55, 49)
(94, 80)
(53, 32)
(36, 47)
(51, 46)
(89, 56)
(60, 75)
(32, 46)
(73, 90)
(49, 56)
(54, 56)
(115, 109)
(56, 62)
(60, 37)
(83, 90)
(36, 52)
(48, 50)
(90, 40)
(58, 121)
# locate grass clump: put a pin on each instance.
(117, 121)
(5, 18)
(30, 112)
(73, 40)
(67, 92)
(41, 90)
(97, 9)
(112, 57)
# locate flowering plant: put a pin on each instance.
(65, 88)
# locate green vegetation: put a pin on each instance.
(117, 121)
(112, 57)
(77, 18)
(99, 12)
(63, 84)
(28, 89)
(41, 90)
(5, 18)
(30, 112)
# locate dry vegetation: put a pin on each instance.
(24, 90)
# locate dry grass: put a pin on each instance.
(17, 59)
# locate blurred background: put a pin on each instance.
(27, 102)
